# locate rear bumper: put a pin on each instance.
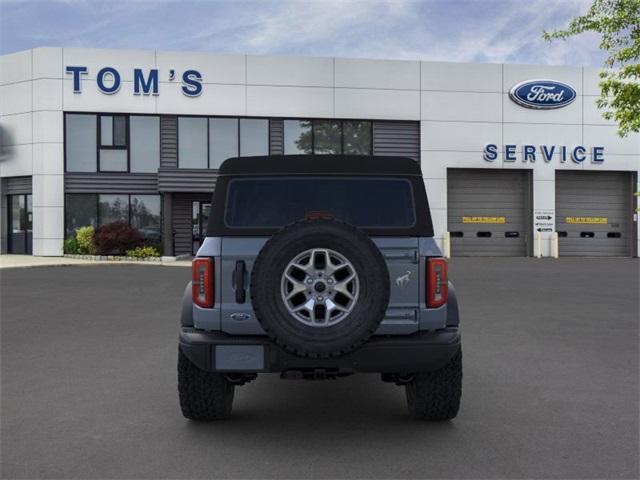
(423, 351)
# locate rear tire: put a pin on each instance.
(277, 320)
(436, 395)
(203, 395)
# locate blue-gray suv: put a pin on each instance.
(319, 267)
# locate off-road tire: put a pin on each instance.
(340, 338)
(436, 395)
(203, 395)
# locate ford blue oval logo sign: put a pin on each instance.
(542, 94)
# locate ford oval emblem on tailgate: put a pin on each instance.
(542, 94)
(240, 316)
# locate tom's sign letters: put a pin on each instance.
(109, 81)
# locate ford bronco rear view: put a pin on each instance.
(319, 267)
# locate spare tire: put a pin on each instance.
(320, 288)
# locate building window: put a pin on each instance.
(113, 143)
(145, 217)
(80, 211)
(327, 137)
(356, 137)
(192, 142)
(113, 131)
(297, 137)
(223, 140)
(112, 208)
(145, 143)
(142, 212)
(254, 136)
(80, 142)
(207, 142)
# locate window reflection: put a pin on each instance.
(297, 137)
(81, 210)
(357, 137)
(112, 208)
(145, 216)
(327, 137)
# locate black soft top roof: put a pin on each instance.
(321, 164)
(329, 165)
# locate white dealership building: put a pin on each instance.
(517, 159)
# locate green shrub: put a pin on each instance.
(86, 244)
(70, 245)
(142, 252)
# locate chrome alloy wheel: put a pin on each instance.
(319, 287)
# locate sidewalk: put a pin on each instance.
(26, 261)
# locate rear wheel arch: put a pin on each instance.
(453, 313)
(186, 311)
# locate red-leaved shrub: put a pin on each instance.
(116, 238)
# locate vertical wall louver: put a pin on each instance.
(182, 221)
(397, 138)
(276, 136)
(168, 141)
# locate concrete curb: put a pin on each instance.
(27, 261)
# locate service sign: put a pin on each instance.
(542, 94)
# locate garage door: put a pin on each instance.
(593, 213)
(488, 212)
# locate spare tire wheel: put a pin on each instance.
(320, 288)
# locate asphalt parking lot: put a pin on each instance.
(550, 384)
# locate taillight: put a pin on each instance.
(202, 282)
(437, 282)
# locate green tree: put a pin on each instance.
(618, 23)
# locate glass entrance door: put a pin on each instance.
(199, 221)
(20, 224)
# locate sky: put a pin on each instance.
(486, 31)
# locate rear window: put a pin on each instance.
(364, 202)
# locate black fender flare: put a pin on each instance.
(186, 312)
(453, 313)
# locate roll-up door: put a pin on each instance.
(488, 212)
(594, 213)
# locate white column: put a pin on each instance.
(48, 153)
(434, 174)
(544, 200)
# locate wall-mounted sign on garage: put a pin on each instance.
(587, 220)
(532, 153)
(544, 220)
(542, 94)
(488, 220)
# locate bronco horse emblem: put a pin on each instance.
(402, 280)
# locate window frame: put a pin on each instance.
(64, 138)
(113, 147)
(120, 194)
(152, 115)
(98, 116)
(341, 121)
(249, 178)
(208, 118)
(353, 120)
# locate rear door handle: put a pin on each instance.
(238, 281)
